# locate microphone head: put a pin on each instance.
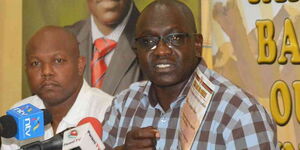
(47, 116)
(9, 126)
(95, 123)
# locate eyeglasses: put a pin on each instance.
(173, 40)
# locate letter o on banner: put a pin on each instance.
(281, 118)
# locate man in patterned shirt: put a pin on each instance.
(147, 115)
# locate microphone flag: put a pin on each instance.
(82, 137)
(30, 121)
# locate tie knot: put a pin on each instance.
(105, 45)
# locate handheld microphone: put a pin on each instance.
(54, 143)
(83, 136)
(8, 126)
(95, 123)
(13, 124)
(86, 136)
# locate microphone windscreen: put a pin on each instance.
(47, 116)
(9, 126)
(95, 123)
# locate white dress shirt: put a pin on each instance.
(114, 35)
(90, 102)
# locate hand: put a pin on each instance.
(141, 138)
(227, 16)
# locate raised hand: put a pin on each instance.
(141, 139)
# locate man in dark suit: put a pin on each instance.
(115, 21)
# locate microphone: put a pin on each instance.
(95, 123)
(54, 143)
(86, 136)
(8, 126)
(83, 136)
(23, 122)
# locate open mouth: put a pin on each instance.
(164, 67)
(161, 66)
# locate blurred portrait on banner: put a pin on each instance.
(76, 16)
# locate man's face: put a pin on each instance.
(53, 70)
(167, 64)
(109, 12)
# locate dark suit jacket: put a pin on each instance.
(123, 68)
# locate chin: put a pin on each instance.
(166, 82)
(112, 19)
(50, 98)
(52, 101)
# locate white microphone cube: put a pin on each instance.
(84, 137)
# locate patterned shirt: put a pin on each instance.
(234, 119)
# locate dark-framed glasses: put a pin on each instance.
(173, 40)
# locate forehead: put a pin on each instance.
(162, 18)
(47, 44)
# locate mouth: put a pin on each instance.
(107, 2)
(164, 67)
(48, 85)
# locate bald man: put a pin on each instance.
(184, 105)
(55, 72)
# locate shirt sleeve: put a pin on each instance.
(111, 125)
(9, 144)
(254, 130)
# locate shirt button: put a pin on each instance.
(164, 119)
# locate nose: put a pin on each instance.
(47, 70)
(162, 49)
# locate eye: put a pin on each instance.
(59, 60)
(177, 39)
(35, 63)
(147, 42)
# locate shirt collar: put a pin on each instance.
(115, 34)
(203, 68)
(75, 113)
(146, 85)
(145, 100)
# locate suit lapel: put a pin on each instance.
(121, 62)
(123, 56)
(84, 38)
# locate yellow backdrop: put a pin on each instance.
(10, 53)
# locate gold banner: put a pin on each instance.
(254, 44)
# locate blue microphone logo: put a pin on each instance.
(28, 119)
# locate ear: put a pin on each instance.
(26, 67)
(81, 65)
(133, 46)
(198, 45)
(134, 49)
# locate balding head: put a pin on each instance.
(53, 37)
(159, 6)
(53, 66)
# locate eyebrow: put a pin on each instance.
(170, 29)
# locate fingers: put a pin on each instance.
(141, 138)
(147, 132)
(138, 144)
(218, 8)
